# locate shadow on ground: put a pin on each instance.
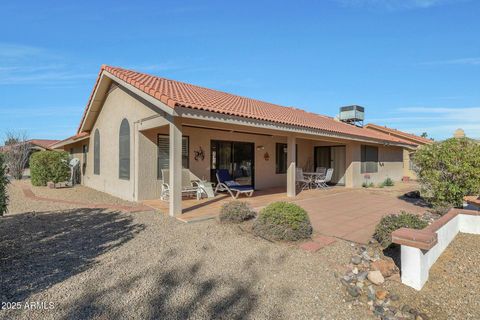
(38, 250)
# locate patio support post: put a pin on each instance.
(291, 166)
(175, 167)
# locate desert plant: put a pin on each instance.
(368, 185)
(3, 186)
(235, 212)
(48, 166)
(448, 171)
(388, 182)
(283, 221)
(392, 222)
(17, 149)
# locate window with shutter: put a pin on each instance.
(96, 152)
(124, 151)
(164, 153)
(369, 159)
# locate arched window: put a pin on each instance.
(96, 152)
(124, 151)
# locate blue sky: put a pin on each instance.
(414, 64)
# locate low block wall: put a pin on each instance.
(420, 249)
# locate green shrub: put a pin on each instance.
(388, 182)
(235, 212)
(3, 186)
(48, 166)
(392, 222)
(368, 185)
(448, 171)
(283, 221)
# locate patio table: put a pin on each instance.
(312, 176)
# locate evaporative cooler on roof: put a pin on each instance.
(352, 115)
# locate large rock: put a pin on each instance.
(376, 277)
(386, 266)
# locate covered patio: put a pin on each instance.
(348, 214)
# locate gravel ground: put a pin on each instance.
(454, 283)
(19, 204)
(109, 265)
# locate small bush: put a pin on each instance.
(235, 212)
(368, 185)
(48, 166)
(283, 221)
(387, 183)
(392, 222)
(3, 186)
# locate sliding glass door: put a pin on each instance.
(236, 157)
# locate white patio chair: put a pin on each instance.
(321, 170)
(300, 180)
(323, 182)
(190, 184)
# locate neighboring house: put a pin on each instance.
(408, 153)
(135, 125)
(38, 144)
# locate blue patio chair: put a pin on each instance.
(225, 182)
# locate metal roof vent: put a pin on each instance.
(353, 115)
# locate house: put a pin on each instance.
(408, 153)
(135, 125)
(38, 144)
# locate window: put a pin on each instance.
(96, 152)
(85, 153)
(369, 159)
(124, 151)
(281, 157)
(164, 153)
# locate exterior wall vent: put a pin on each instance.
(353, 115)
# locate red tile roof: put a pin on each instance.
(71, 139)
(44, 143)
(178, 94)
(395, 132)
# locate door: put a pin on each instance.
(332, 157)
(236, 157)
(338, 158)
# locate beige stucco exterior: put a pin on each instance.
(143, 184)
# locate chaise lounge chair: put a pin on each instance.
(225, 182)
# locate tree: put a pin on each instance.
(17, 151)
(424, 135)
(448, 171)
(3, 186)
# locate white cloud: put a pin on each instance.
(20, 64)
(438, 122)
(462, 61)
(392, 5)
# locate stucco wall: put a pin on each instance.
(390, 165)
(118, 105)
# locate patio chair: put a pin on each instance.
(225, 182)
(323, 182)
(190, 184)
(321, 170)
(300, 180)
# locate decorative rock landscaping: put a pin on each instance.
(364, 280)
